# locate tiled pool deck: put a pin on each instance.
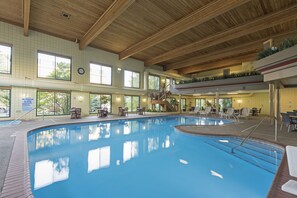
(14, 155)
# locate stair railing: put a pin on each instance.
(248, 136)
(18, 118)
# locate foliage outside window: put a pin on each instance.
(100, 101)
(132, 102)
(5, 59)
(4, 103)
(100, 74)
(53, 103)
(183, 104)
(167, 83)
(200, 102)
(132, 79)
(54, 67)
(224, 103)
(154, 82)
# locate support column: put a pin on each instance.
(271, 102)
(179, 104)
(217, 103)
(277, 111)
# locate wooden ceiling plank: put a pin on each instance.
(262, 23)
(218, 64)
(198, 17)
(227, 52)
(114, 11)
(26, 16)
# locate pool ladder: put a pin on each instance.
(254, 127)
(26, 114)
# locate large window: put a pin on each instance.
(132, 79)
(5, 59)
(4, 103)
(53, 103)
(154, 82)
(200, 102)
(100, 74)
(167, 83)
(54, 66)
(183, 104)
(224, 102)
(132, 102)
(100, 101)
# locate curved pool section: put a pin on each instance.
(145, 158)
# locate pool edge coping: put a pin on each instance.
(17, 180)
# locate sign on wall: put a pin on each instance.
(27, 104)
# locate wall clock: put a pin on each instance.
(81, 70)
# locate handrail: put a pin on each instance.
(26, 114)
(247, 137)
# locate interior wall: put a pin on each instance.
(24, 82)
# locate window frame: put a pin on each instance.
(148, 80)
(132, 79)
(214, 103)
(7, 88)
(55, 55)
(200, 100)
(55, 91)
(130, 110)
(101, 64)
(10, 68)
(183, 99)
(100, 94)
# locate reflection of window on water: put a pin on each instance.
(166, 144)
(51, 138)
(182, 120)
(130, 150)
(99, 131)
(153, 143)
(48, 172)
(99, 158)
(131, 127)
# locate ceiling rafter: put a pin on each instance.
(26, 16)
(113, 11)
(218, 64)
(261, 23)
(218, 54)
(197, 17)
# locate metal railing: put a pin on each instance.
(254, 127)
(27, 114)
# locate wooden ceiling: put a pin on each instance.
(186, 35)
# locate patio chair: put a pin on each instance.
(245, 113)
(195, 111)
(287, 121)
(206, 112)
(291, 185)
(229, 113)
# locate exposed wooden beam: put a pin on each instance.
(26, 15)
(113, 11)
(219, 54)
(197, 17)
(261, 23)
(219, 64)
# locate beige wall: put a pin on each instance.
(24, 81)
(288, 99)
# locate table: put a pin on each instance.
(293, 120)
(102, 113)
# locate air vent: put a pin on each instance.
(65, 15)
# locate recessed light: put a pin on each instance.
(65, 14)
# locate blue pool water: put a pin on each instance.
(146, 158)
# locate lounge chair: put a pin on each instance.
(206, 111)
(245, 113)
(229, 113)
(291, 185)
(195, 111)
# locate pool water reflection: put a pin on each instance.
(137, 158)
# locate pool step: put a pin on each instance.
(250, 153)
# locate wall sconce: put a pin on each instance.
(80, 98)
(144, 100)
(163, 80)
(119, 70)
(239, 102)
(118, 98)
